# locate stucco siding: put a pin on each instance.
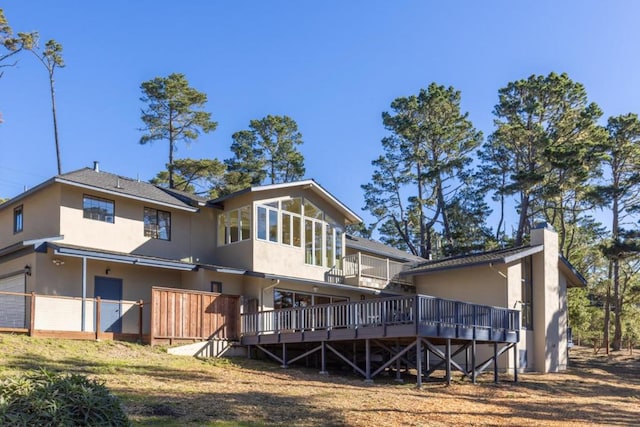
(126, 233)
(480, 285)
(41, 217)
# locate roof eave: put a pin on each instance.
(124, 195)
(351, 216)
(571, 272)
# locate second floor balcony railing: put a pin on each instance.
(360, 265)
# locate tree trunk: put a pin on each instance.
(171, 142)
(524, 211)
(55, 122)
(617, 308)
(607, 312)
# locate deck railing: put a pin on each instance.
(361, 265)
(417, 310)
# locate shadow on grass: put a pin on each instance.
(247, 408)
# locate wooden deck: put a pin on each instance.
(408, 331)
(395, 317)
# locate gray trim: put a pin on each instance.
(219, 269)
(473, 261)
(122, 258)
(572, 269)
(525, 253)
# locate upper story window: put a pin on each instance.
(18, 219)
(157, 224)
(234, 226)
(298, 222)
(98, 209)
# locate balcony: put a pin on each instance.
(368, 271)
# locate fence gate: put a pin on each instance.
(185, 315)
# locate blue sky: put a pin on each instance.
(333, 66)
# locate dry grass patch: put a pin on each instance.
(157, 388)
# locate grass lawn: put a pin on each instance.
(160, 389)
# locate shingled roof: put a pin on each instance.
(125, 187)
(377, 248)
(500, 256)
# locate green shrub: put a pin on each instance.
(43, 398)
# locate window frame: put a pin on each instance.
(234, 226)
(101, 217)
(156, 234)
(277, 223)
(18, 219)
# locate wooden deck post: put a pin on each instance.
(398, 375)
(495, 362)
(473, 361)
(32, 316)
(418, 362)
(323, 360)
(448, 361)
(284, 356)
(515, 362)
(367, 360)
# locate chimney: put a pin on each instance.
(96, 166)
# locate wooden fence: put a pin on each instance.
(179, 315)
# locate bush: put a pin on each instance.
(46, 399)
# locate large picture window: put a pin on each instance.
(98, 209)
(298, 222)
(157, 224)
(234, 226)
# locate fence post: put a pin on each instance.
(97, 325)
(140, 308)
(32, 316)
(152, 320)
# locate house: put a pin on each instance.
(90, 254)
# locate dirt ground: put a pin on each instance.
(159, 389)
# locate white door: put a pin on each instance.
(13, 307)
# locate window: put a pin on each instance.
(18, 219)
(234, 226)
(527, 294)
(98, 209)
(290, 299)
(216, 287)
(287, 221)
(157, 224)
(268, 222)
